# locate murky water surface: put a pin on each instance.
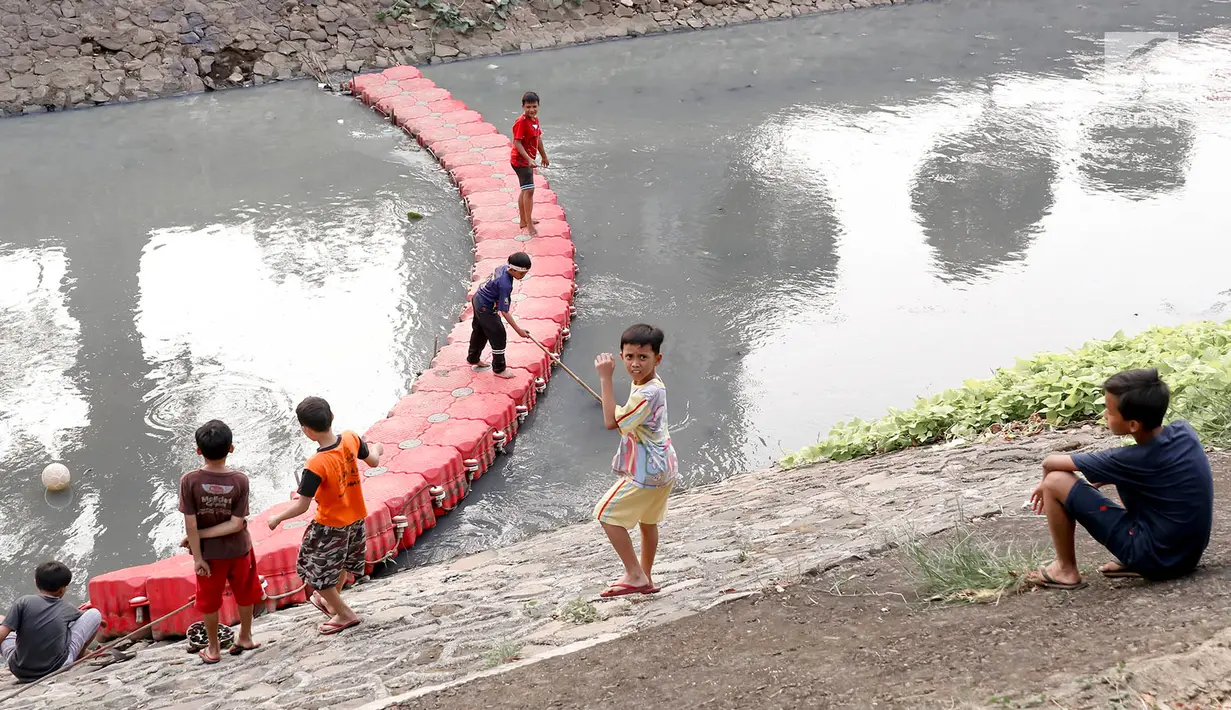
(828, 217)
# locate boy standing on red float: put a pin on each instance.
(214, 501)
(527, 141)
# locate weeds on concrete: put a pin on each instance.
(969, 566)
(506, 652)
(579, 611)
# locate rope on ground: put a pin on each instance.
(98, 651)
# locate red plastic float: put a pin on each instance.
(448, 429)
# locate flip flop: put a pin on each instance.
(207, 659)
(623, 589)
(236, 649)
(1120, 574)
(1046, 581)
(330, 628)
(320, 606)
(651, 589)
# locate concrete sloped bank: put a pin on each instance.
(438, 624)
(448, 430)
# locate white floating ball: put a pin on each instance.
(56, 477)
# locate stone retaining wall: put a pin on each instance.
(57, 54)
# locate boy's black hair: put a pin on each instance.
(52, 576)
(214, 440)
(520, 259)
(642, 334)
(314, 413)
(1140, 396)
(529, 98)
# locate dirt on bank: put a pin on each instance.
(858, 636)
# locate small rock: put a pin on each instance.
(326, 15)
(24, 81)
(143, 36)
(354, 66)
(21, 65)
(162, 14)
(206, 64)
(263, 68)
(319, 35)
(444, 50)
(111, 44)
(8, 95)
(190, 38)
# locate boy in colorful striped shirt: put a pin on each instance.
(645, 461)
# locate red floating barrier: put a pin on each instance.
(547, 332)
(400, 73)
(420, 403)
(508, 213)
(441, 466)
(462, 117)
(405, 496)
(500, 249)
(546, 228)
(365, 81)
(446, 106)
(472, 439)
(416, 84)
(526, 356)
(541, 266)
(394, 430)
(121, 598)
(554, 309)
(520, 388)
(376, 92)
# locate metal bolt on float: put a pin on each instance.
(141, 605)
(540, 385)
(522, 412)
(565, 333)
(400, 523)
(472, 468)
(499, 436)
(438, 494)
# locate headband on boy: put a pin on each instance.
(518, 268)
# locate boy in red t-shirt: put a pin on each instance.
(527, 141)
(214, 501)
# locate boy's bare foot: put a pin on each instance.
(480, 365)
(505, 374)
(1115, 570)
(1055, 576)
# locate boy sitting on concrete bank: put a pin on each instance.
(1164, 481)
(42, 633)
(645, 462)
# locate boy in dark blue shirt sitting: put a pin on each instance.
(494, 297)
(1164, 481)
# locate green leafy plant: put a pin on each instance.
(579, 611)
(506, 652)
(1058, 388)
(446, 14)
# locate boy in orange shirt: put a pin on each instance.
(335, 541)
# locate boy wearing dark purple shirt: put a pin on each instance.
(1164, 481)
(496, 296)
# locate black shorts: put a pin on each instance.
(1106, 521)
(525, 176)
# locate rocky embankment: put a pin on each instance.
(57, 54)
(537, 598)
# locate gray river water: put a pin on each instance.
(828, 216)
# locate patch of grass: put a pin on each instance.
(579, 611)
(1054, 389)
(506, 652)
(969, 566)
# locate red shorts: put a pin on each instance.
(240, 572)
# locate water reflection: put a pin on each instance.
(981, 194)
(310, 301)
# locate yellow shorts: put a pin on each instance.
(627, 505)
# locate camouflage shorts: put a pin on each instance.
(326, 553)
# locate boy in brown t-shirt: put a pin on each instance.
(335, 541)
(214, 501)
